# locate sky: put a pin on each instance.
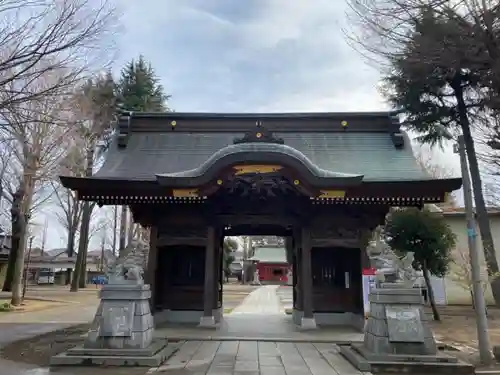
(248, 56)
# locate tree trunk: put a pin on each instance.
(123, 229)
(75, 282)
(9, 275)
(70, 250)
(80, 275)
(18, 244)
(82, 282)
(482, 214)
(430, 293)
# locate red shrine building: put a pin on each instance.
(323, 181)
(271, 264)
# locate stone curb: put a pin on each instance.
(263, 339)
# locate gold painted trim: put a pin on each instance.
(331, 194)
(185, 193)
(244, 169)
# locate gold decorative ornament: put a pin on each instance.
(296, 182)
(331, 194)
(185, 193)
(248, 169)
(258, 135)
(173, 123)
(219, 182)
(343, 123)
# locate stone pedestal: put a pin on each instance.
(121, 333)
(398, 338)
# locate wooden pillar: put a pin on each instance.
(297, 247)
(308, 321)
(207, 320)
(150, 274)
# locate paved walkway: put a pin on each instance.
(263, 300)
(256, 358)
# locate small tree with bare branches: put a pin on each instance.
(38, 133)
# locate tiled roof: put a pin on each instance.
(270, 254)
(363, 153)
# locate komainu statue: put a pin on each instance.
(129, 267)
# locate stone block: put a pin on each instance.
(125, 292)
(117, 318)
(142, 308)
(404, 324)
(113, 342)
(308, 324)
(377, 344)
(396, 299)
(141, 323)
(207, 322)
(152, 357)
(377, 310)
(139, 340)
(377, 327)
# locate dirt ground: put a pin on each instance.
(39, 350)
(458, 326)
(30, 305)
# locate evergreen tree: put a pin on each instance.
(139, 88)
(428, 237)
(434, 96)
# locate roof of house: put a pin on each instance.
(270, 254)
(371, 146)
(460, 211)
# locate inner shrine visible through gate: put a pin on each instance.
(323, 181)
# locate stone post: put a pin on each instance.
(123, 319)
(398, 338)
(122, 331)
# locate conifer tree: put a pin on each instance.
(139, 88)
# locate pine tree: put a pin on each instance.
(139, 88)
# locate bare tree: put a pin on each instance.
(64, 32)
(38, 133)
(94, 108)
(437, 170)
(69, 211)
(460, 272)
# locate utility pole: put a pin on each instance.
(27, 266)
(477, 290)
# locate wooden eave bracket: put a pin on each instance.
(397, 136)
(124, 127)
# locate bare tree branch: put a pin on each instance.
(68, 33)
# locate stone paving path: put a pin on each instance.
(256, 358)
(264, 300)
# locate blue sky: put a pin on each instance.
(246, 56)
(252, 55)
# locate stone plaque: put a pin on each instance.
(404, 324)
(117, 319)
